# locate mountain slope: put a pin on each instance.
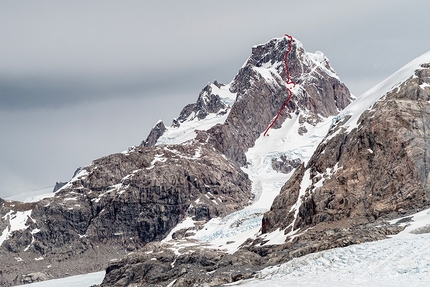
(359, 176)
(192, 169)
(372, 163)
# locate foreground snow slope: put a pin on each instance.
(403, 260)
(84, 280)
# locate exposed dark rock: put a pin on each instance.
(156, 132)
(121, 202)
(284, 165)
(58, 185)
(34, 277)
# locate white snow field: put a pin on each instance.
(85, 280)
(33, 196)
(403, 261)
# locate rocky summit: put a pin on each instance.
(210, 200)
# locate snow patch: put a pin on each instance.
(416, 223)
(17, 221)
(157, 158)
(186, 130)
(275, 237)
(186, 223)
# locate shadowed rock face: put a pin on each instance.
(155, 133)
(380, 168)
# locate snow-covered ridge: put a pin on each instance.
(369, 98)
(186, 130)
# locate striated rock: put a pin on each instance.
(160, 266)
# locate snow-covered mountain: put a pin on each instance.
(213, 199)
(357, 170)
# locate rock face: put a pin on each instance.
(379, 169)
(124, 201)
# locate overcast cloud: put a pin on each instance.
(82, 79)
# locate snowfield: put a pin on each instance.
(85, 280)
(400, 261)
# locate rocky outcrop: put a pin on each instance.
(284, 165)
(207, 103)
(155, 134)
(379, 169)
(58, 185)
(118, 204)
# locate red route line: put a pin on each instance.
(288, 81)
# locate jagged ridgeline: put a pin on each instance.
(371, 164)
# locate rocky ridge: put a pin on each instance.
(117, 205)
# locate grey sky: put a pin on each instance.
(82, 79)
